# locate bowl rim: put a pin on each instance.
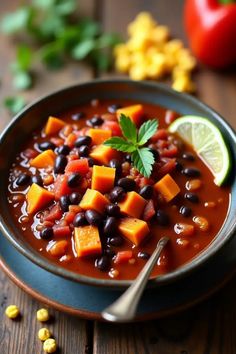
(204, 256)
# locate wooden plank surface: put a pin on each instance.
(205, 329)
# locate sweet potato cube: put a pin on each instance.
(53, 125)
(103, 178)
(134, 112)
(133, 229)
(167, 187)
(99, 135)
(44, 159)
(104, 154)
(133, 205)
(37, 198)
(87, 241)
(93, 200)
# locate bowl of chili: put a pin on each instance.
(79, 207)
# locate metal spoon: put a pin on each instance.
(124, 308)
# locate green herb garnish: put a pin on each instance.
(133, 142)
(14, 103)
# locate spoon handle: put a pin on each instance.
(124, 308)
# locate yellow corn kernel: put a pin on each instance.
(138, 58)
(183, 84)
(122, 63)
(42, 315)
(137, 72)
(12, 311)
(155, 71)
(173, 46)
(178, 71)
(145, 19)
(160, 34)
(50, 345)
(121, 49)
(139, 43)
(44, 334)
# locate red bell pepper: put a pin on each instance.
(211, 30)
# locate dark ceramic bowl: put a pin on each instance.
(34, 116)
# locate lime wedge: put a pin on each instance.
(207, 140)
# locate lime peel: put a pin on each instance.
(208, 142)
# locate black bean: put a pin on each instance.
(75, 198)
(185, 211)
(60, 164)
(93, 217)
(46, 145)
(146, 192)
(109, 252)
(191, 172)
(192, 197)
(83, 150)
(83, 140)
(37, 179)
(23, 179)
(91, 161)
(79, 220)
(46, 233)
(128, 158)
(110, 226)
(127, 183)
(188, 156)
(102, 263)
(113, 210)
(162, 218)
(117, 194)
(95, 121)
(63, 150)
(64, 202)
(113, 108)
(143, 255)
(179, 167)
(78, 116)
(156, 154)
(114, 163)
(74, 180)
(116, 241)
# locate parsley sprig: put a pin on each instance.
(133, 142)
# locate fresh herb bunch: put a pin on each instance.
(133, 142)
(54, 33)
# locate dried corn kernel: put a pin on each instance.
(183, 84)
(42, 315)
(50, 345)
(12, 311)
(44, 334)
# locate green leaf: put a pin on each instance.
(52, 55)
(143, 161)
(81, 50)
(43, 4)
(89, 28)
(102, 61)
(108, 40)
(14, 104)
(146, 131)
(16, 21)
(120, 144)
(24, 57)
(22, 80)
(66, 7)
(128, 128)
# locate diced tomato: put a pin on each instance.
(168, 167)
(149, 211)
(57, 141)
(80, 165)
(160, 134)
(113, 126)
(70, 139)
(69, 217)
(61, 187)
(54, 214)
(170, 116)
(162, 144)
(170, 151)
(123, 257)
(61, 231)
(143, 181)
(30, 153)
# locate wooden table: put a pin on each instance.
(208, 328)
